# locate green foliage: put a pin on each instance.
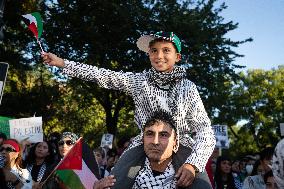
(243, 144)
(258, 98)
(104, 33)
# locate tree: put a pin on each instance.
(103, 33)
(258, 99)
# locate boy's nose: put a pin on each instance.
(159, 54)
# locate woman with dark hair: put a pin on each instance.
(224, 178)
(15, 175)
(65, 144)
(40, 161)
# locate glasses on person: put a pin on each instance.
(8, 149)
(67, 142)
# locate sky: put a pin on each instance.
(263, 20)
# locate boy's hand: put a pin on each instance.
(106, 182)
(185, 175)
(52, 60)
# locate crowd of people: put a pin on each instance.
(25, 165)
(175, 144)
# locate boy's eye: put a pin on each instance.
(167, 50)
(153, 50)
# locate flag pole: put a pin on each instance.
(42, 51)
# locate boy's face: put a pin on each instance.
(163, 56)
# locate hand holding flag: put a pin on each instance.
(34, 22)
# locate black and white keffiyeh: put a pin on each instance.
(146, 179)
(40, 173)
(165, 80)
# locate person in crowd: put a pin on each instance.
(159, 169)
(250, 161)
(163, 87)
(53, 139)
(209, 171)
(65, 144)
(100, 155)
(122, 145)
(3, 183)
(236, 170)
(243, 172)
(262, 166)
(112, 157)
(15, 175)
(224, 178)
(278, 164)
(269, 180)
(3, 137)
(40, 161)
(255, 180)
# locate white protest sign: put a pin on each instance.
(221, 134)
(107, 140)
(27, 128)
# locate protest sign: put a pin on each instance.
(3, 74)
(27, 128)
(221, 134)
(107, 140)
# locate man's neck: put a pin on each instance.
(160, 166)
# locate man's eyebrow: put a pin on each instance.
(165, 132)
(148, 131)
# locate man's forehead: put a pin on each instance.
(159, 127)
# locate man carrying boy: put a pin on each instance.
(163, 87)
(159, 141)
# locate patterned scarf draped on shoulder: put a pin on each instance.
(146, 178)
(166, 79)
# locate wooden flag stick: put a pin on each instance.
(42, 51)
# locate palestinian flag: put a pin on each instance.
(34, 22)
(78, 169)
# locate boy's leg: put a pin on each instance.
(127, 167)
(201, 180)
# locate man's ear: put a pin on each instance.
(178, 57)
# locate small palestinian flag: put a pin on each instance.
(78, 169)
(34, 22)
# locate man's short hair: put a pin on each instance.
(161, 116)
